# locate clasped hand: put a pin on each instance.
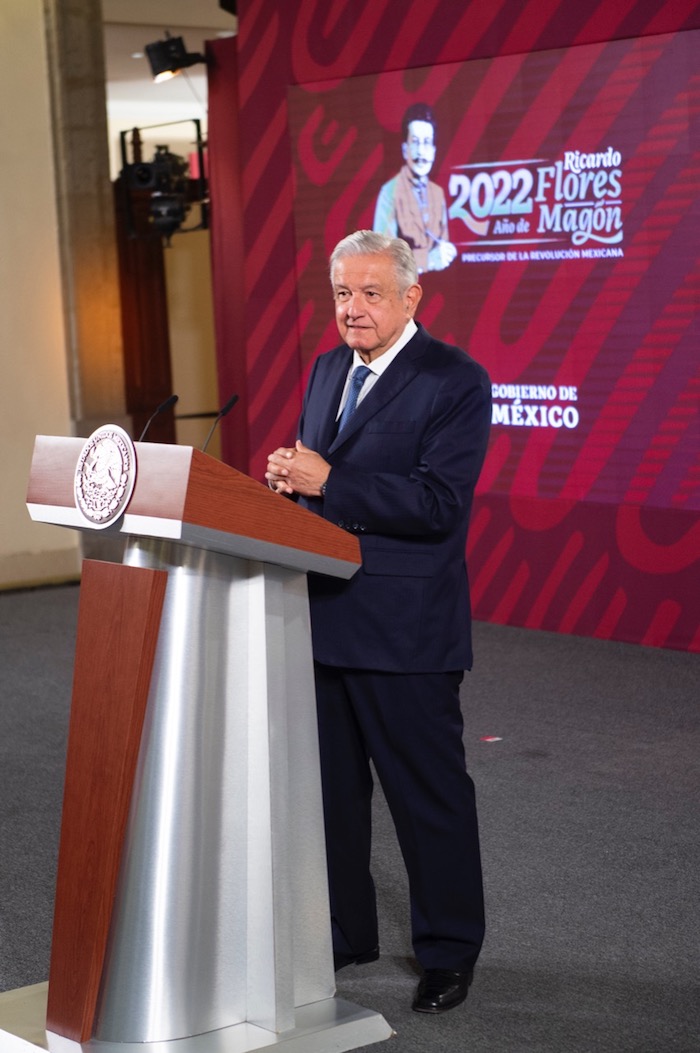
(297, 470)
(441, 255)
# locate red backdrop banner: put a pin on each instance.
(569, 178)
(568, 154)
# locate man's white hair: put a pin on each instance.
(370, 243)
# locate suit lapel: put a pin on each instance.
(327, 389)
(401, 372)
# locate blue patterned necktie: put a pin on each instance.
(357, 379)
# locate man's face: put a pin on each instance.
(419, 148)
(370, 312)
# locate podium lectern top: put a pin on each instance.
(191, 893)
(184, 495)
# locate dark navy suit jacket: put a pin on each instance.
(402, 479)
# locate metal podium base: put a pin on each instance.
(329, 1025)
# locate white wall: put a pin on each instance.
(33, 387)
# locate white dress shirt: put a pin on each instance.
(377, 366)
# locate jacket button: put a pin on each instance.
(341, 523)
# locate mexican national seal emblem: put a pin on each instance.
(105, 475)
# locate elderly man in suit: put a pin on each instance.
(392, 437)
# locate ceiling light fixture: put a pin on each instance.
(169, 57)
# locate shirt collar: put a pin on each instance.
(415, 179)
(384, 361)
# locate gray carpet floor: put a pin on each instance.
(589, 802)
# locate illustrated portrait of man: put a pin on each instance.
(411, 206)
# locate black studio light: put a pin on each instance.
(169, 57)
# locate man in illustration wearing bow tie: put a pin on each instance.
(411, 206)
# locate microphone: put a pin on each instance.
(161, 409)
(222, 413)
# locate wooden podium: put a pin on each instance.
(191, 898)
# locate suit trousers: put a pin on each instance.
(410, 727)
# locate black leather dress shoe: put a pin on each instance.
(341, 960)
(441, 989)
